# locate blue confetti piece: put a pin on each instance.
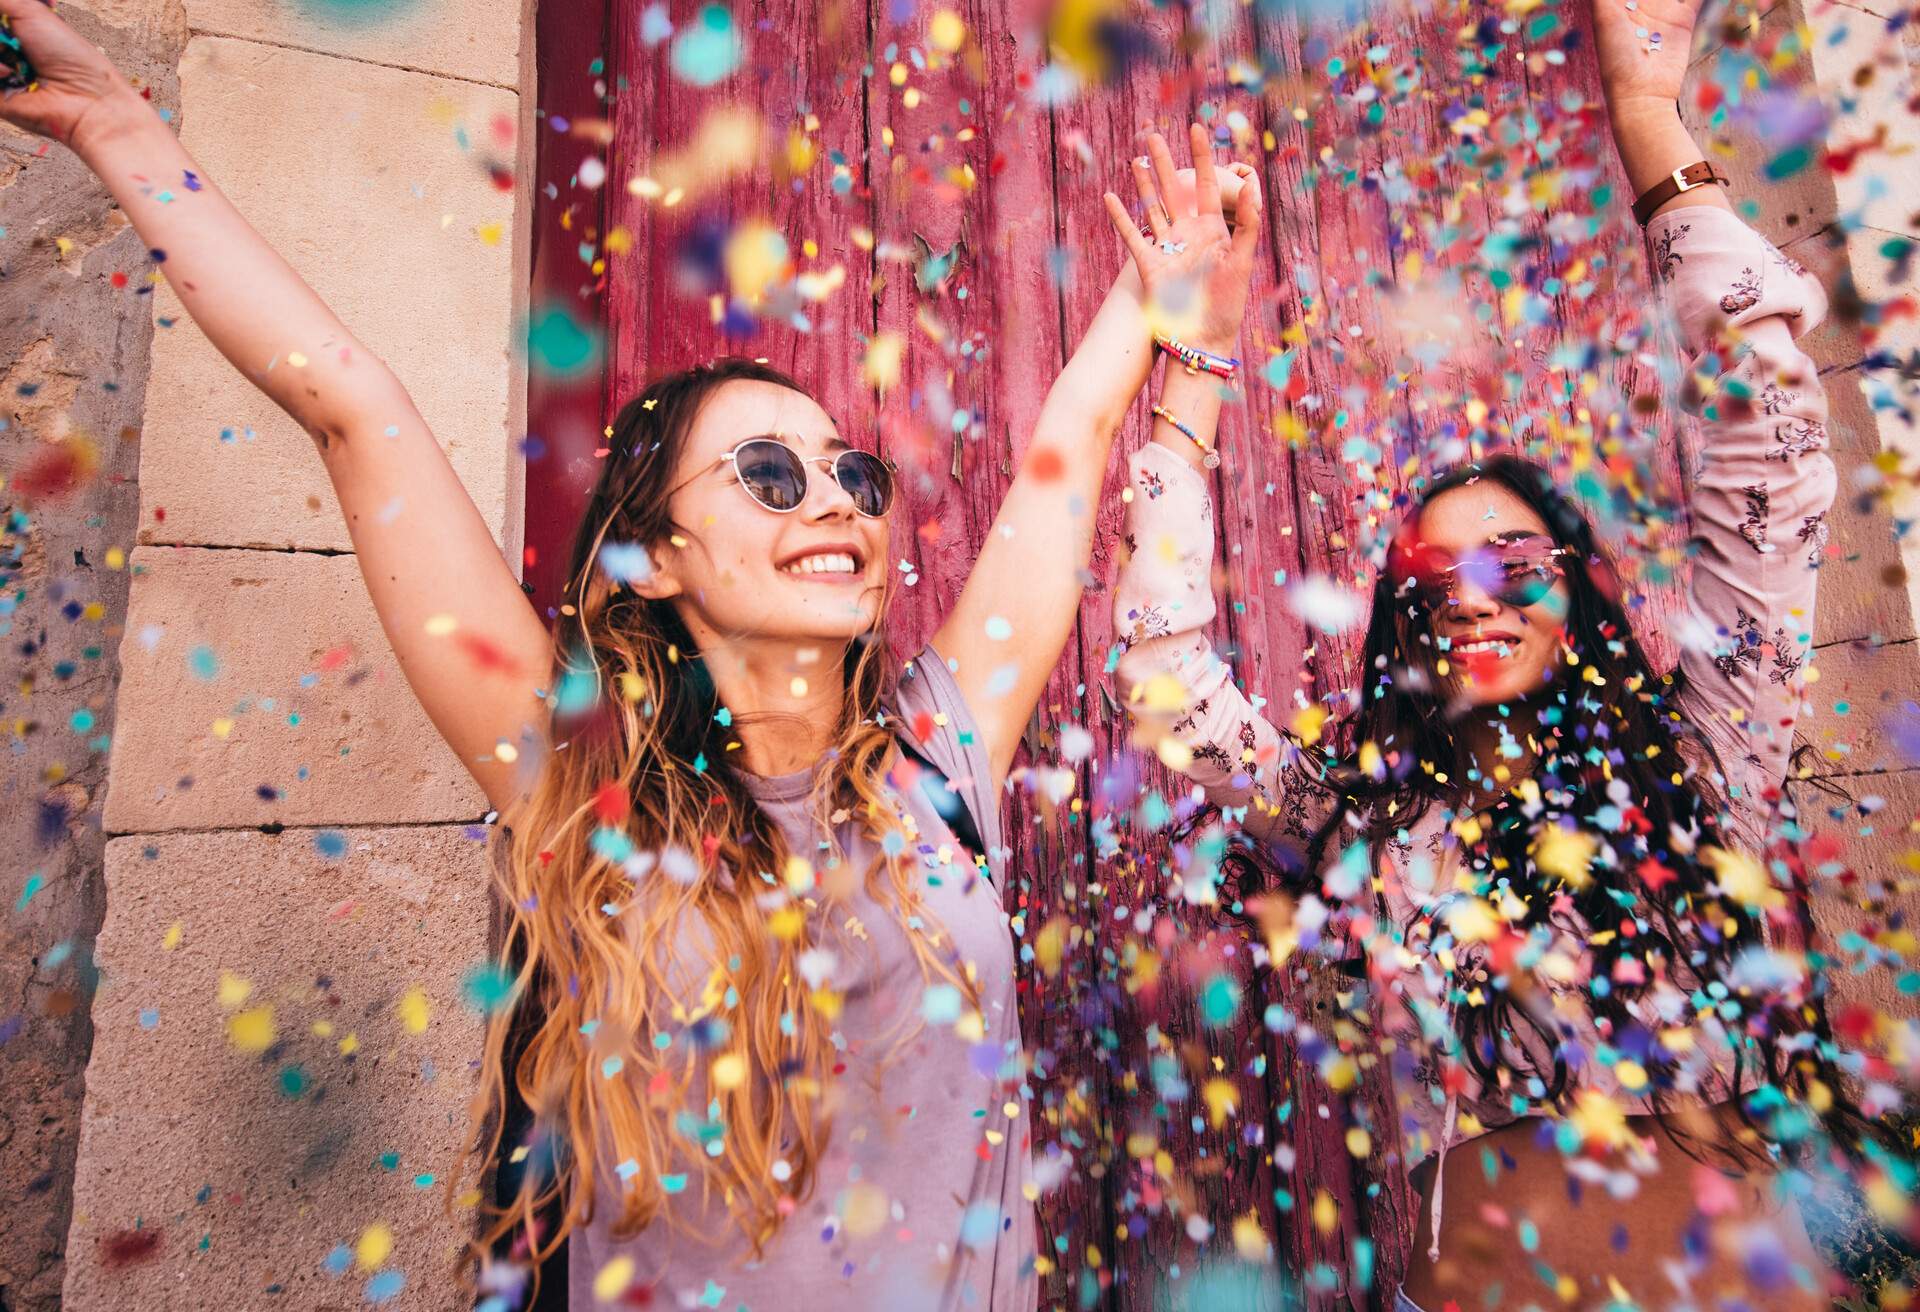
(385, 1286)
(709, 49)
(330, 843)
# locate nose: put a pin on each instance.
(1468, 601)
(826, 499)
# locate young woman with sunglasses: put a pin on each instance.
(764, 972)
(1546, 850)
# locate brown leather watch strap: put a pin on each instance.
(1697, 174)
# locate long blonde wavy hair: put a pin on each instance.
(636, 821)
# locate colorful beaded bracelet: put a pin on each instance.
(1208, 455)
(1197, 360)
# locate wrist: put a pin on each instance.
(119, 114)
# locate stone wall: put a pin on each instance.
(272, 909)
(73, 368)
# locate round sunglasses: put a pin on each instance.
(775, 475)
(1518, 572)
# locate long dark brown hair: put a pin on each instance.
(1613, 760)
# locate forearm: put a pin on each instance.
(248, 301)
(1195, 400)
(1653, 142)
(1108, 367)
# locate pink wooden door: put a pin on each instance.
(1396, 317)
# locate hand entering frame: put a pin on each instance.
(1195, 270)
(71, 76)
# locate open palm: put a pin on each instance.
(1195, 270)
(1635, 67)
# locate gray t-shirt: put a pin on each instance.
(921, 1198)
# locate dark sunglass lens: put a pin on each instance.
(867, 480)
(772, 474)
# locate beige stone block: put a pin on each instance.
(1859, 707)
(252, 670)
(353, 172)
(214, 1177)
(1862, 68)
(470, 39)
(1864, 590)
(1877, 825)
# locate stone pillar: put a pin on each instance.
(296, 876)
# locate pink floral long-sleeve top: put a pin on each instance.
(1759, 501)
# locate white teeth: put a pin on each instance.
(826, 562)
(1482, 644)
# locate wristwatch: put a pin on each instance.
(1697, 174)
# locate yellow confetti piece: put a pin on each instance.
(1223, 1100)
(489, 233)
(1566, 853)
(349, 1045)
(729, 1071)
(222, 727)
(1307, 723)
(947, 31)
(252, 1030)
(1743, 879)
(374, 1247)
(786, 923)
(1326, 1212)
(798, 874)
(611, 1281)
(1359, 1143)
(1249, 1240)
(413, 1011)
(881, 368)
(171, 939)
(296, 359)
(439, 626)
(233, 989)
(1050, 945)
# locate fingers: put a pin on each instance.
(1123, 223)
(1206, 186)
(1246, 218)
(1163, 170)
(1157, 214)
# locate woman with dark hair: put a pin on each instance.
(767, 978)
(1551, 853)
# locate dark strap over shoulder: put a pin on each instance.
(934, 784)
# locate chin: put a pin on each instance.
(1507, 685)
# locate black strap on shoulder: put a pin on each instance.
(951, 806)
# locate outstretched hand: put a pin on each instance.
(1643, 46)
(71, 76)
(1195, 271)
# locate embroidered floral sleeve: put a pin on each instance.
(1169, 671)
(1760, 491)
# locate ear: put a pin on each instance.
(662, 580)
(645, 572)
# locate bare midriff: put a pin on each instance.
(1589, 1248)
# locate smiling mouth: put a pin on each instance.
(1499, 648)
(825, 567)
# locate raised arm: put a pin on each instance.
(1764, 482)
(467, 638)
(1032, 569)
